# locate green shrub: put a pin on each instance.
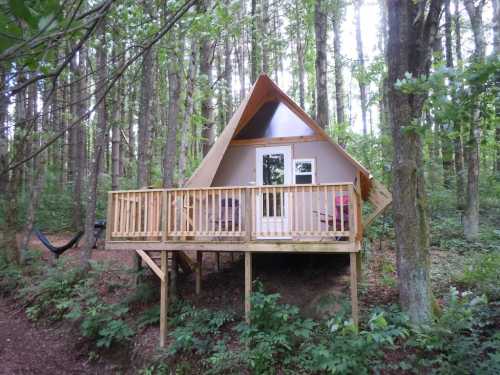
(340, 349)
(50, 293)
(460, 340)
(11, 277)
(483, 274)
(196, 330)
(275, 332)
(99, 321)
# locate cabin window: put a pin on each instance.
(304, 171)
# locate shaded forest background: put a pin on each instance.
(107, 95)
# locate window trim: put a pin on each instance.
(312, 173)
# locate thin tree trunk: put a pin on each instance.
(255, 64)
(228, 79)
(9, 231)
(174, 69)
(266, 68)
(300, 48)
(188, 111)
(77, 145)
(4, 139)
(115, 132)
(320, 22)
(361, 65)
(339, 81)
(38, 172)
(496, 52)
(446, 128)
(145, 112)
(457, 126)
(410, 26)
(206, 51)
(471, 218)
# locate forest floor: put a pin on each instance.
(317, 284)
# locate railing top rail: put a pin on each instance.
(231, 187)
(136, 191)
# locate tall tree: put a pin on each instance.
(254, 52)
(361, 64)
(471, 218)
(174, 69)
(458, 148)
(412, 26)
(496, 52)
(145, 111)
(188, 111)
(266, 48)
(320, 22)
(337, 53)
(206, 59)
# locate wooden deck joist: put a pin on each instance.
(229, 246)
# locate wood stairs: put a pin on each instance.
(186, 264)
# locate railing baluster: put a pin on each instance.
(342, 209)
(239, 210)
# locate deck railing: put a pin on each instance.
(297, 212)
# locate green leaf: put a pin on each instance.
(20, 10)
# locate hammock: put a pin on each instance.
(58, 250)
(99, 227)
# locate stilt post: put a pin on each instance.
(199, 263)
(163, 298)
(248, 284)
(354, 288)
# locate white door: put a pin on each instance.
(273, 167)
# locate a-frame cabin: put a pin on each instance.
(274, 181)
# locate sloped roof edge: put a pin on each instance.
(205, 173)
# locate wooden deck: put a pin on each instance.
(294, 218)
(158, 223)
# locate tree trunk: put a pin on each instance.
(447, 127)
(38, 172)
(9, 231)
(76, 134)
(471, 218)
(300, 49)
(174, 69)
(228, 79)
(4, 139)
(409, 27)
(188, 111)
(457, 126)
(320, 22)
(116, 148)
(496, 52)
(145, 112)
(206, 52)
(361, 65)
(339, 81)
(254, 53)
(266, 68)
(96, 164)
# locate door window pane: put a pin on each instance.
(273, 169)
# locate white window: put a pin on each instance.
(304, 171)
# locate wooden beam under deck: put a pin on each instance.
(231, 246)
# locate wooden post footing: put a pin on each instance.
(354, 288)
(248, 285)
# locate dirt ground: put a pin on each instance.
(318, 284)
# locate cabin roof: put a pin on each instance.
(263, 91)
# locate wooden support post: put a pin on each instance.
(163, 298)
(248, 284)
(199, 263)
(248, 215)
(359, 271)
(217, 262)
(354, 289)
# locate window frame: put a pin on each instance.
(312, 173)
